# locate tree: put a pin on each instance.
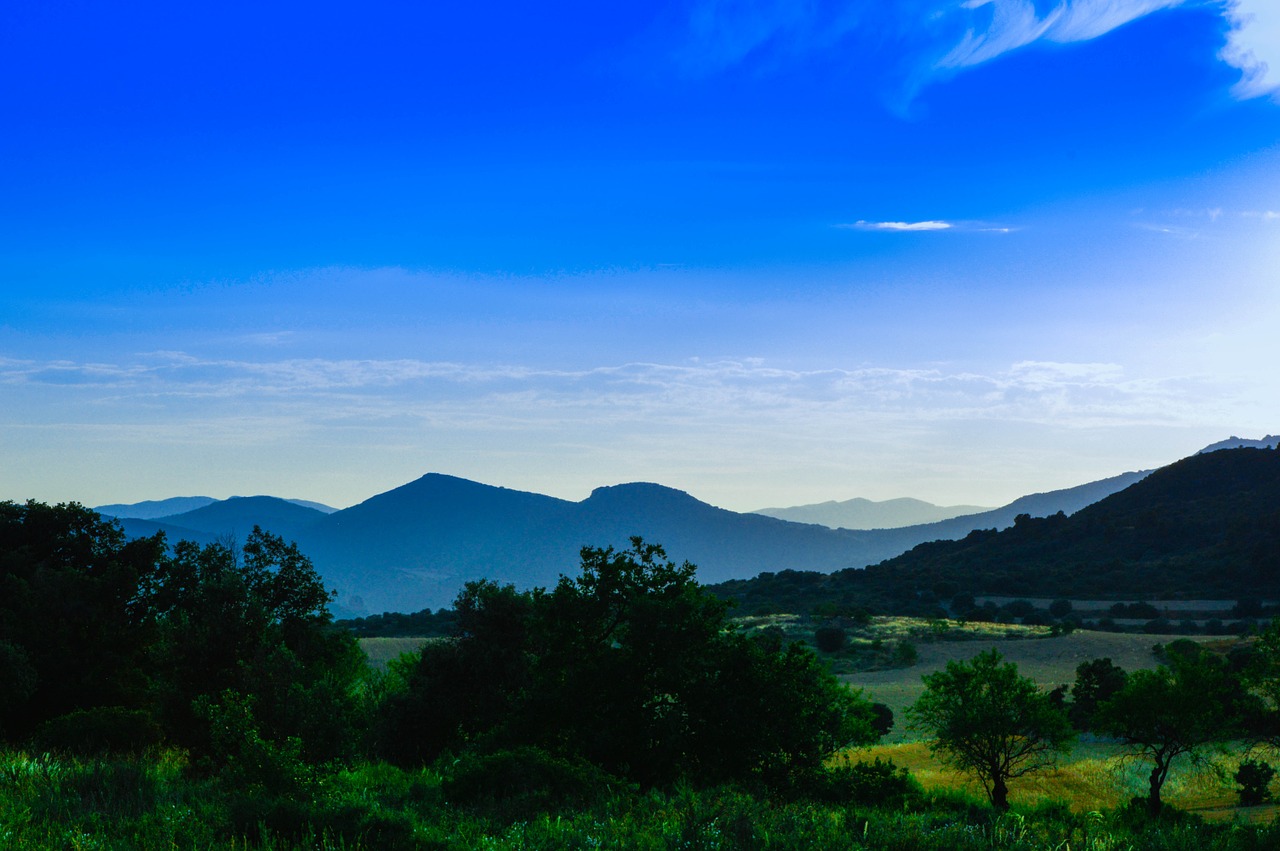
(1171, 711)
(1096, 681)
(990, 722)
(631, 666)
(250, 627)
(73, 614)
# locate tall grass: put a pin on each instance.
(158, 802)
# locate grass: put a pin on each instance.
(1094, 776)
(1050, 661)
(380, 651)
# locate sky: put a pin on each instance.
(769, 252)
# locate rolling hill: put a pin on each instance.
(861, 513)
(1205, 527)
(414, 547)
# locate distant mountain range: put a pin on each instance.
(861, 513)
(415, 546)
(1233, 442)
(153, 509)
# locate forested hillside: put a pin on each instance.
(1205, 527)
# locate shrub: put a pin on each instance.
(516, 785)
(101, 730)
(1254, 778)
(879, 783)
(829, 639)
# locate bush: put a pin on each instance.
(905, 654)
(1254, 778)
(829, 639)
(519, 784)
(102, 730)
(879, 783)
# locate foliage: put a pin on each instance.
(1172, 711)
(1096, 681)
(520, 784)
(1205, 527)
(73, 613)
(631, 666)
(100, 730)
(990, 722)
(1254, 778)
(253, 623)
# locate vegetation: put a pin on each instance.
(156, 697)
(1208, 526)
(987, 720)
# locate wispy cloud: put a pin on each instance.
(1253, 46)
(899, 226)
(935, 39)
(996, 27)
(507, 397)
(925, 225)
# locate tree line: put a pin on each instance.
(627, 672)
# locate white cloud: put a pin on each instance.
(899, 226)
(1253, 46)
(1011, 24)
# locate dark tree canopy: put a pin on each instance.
(95, 627)
(1172, 711)
(632, 666)
(989, 721)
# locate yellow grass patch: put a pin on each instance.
(1093, 776)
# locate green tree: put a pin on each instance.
(73, 613)
(632, 666)
(990, 722)
(1096, 681)
(251, 625)
(1172, 711)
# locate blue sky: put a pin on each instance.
(766, 252)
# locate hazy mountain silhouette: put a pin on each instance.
(859, 513)
(157, 509)
(1233, 442)
(238, 515)
(416, 545)
(1206, 526)
(152, 509)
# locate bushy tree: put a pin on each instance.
(632, 666)
(1172, 711)
(1096, 681)
(73, 613)
(990, 722)
(251, 625)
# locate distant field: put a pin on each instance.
(382, 650)
(1049, 661)
(1093, 777)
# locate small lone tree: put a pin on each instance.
(990, 722)
(1170, 712)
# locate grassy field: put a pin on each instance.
(382, 650)
(1050, 661)
(1095, 776)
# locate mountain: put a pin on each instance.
(155, 509)
(238, 515)
(1206, 527)
(416, 545)
(1233, 442)
(861, 513)
(152, 509)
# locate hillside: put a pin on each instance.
(239, 514)
(1207, 526)
(861, 513)
(415, 546)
